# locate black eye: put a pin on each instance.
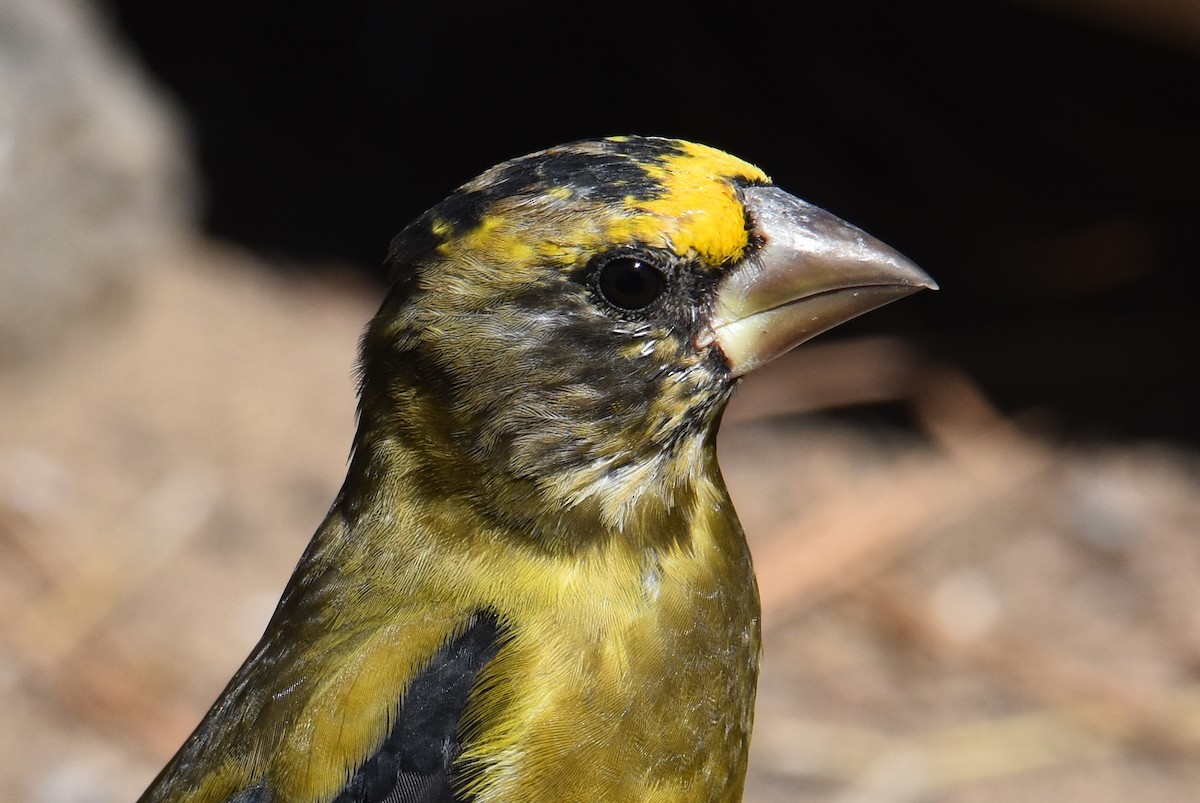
(630, 283)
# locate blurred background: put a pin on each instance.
(976, 513)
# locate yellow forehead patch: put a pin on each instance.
(688, 203)
(698, 209)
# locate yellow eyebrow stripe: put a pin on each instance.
(698, 201)
(686, 201)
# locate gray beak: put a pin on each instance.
(812, 272)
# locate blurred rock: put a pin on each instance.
(94, 175)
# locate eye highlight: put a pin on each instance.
(630, 283)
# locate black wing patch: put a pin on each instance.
(415, 762)
(259, 793)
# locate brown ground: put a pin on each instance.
(970, 615)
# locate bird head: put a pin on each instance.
(564, 331)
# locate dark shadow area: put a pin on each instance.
(1043, 170)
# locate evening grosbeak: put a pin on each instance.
(532, 586)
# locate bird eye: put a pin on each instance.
(630, 283)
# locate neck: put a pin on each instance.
(555, 483)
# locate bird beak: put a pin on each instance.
(812, 272)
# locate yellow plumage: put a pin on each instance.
(532, 586)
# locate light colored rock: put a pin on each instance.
(94, 174)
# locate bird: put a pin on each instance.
(532, 585)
